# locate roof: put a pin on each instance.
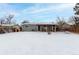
(7, 24)
(39, 23)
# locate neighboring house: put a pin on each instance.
(9, 28)
(66, 27)
(6, 27)
(39, 27)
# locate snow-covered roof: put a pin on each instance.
(70, 23)
(39, 23)
(7, 24)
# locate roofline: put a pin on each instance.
(39, 23)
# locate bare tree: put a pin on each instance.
(9, 19)
(60, 23)
(13, 21)
(75, 19)
(76, 9)
(2, 20)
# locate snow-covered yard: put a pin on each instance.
(39, 43)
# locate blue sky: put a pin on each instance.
(37, 12)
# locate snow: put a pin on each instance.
(39, 23)
(7, 24)
(39, 43)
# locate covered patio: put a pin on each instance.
(47, 27)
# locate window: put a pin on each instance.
(26, 26)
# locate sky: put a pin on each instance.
(37, 12)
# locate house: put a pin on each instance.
(44, 27)
(9, 28)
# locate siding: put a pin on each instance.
(29, 28)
